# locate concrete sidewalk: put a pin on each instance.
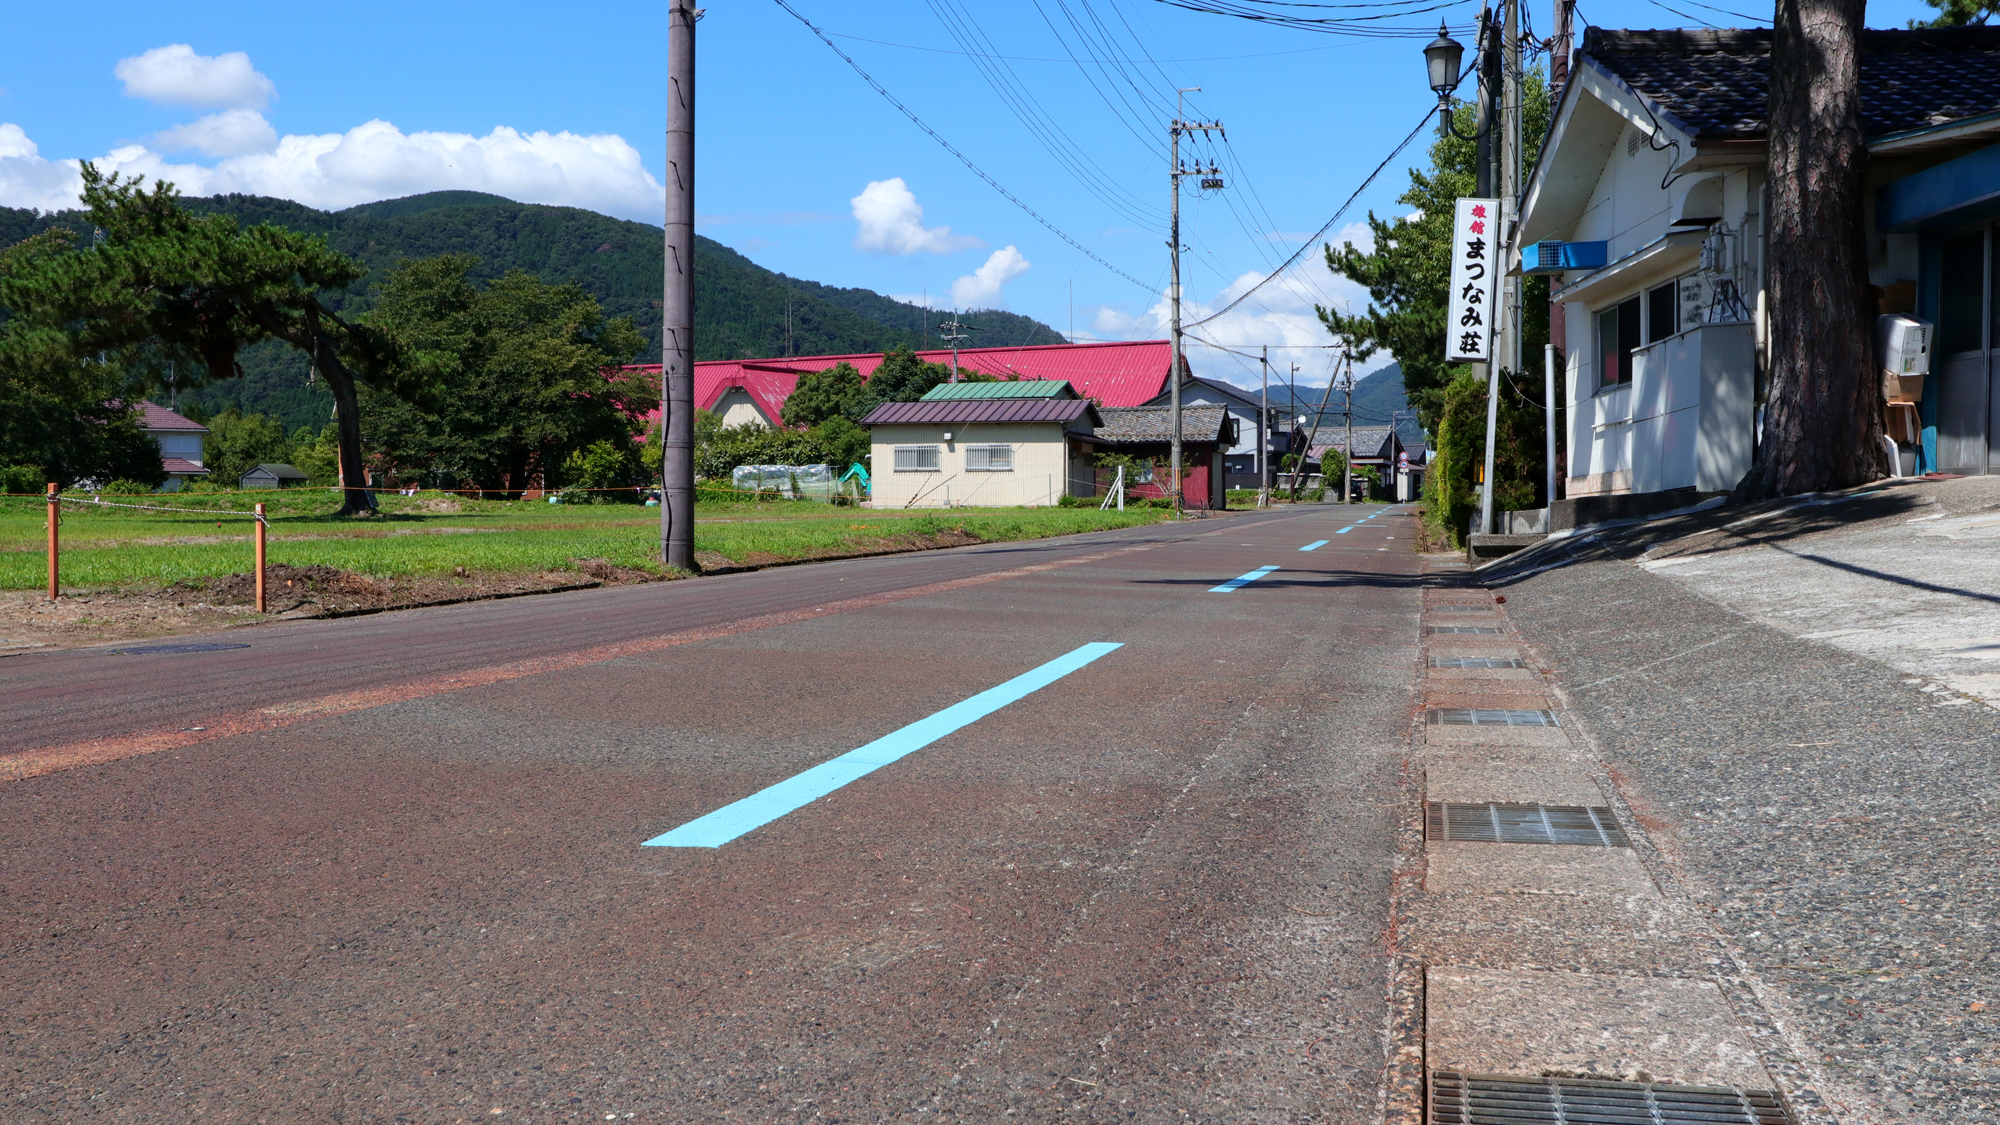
(1783, 706)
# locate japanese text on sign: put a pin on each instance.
(1475, 269)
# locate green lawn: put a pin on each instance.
(119, 547)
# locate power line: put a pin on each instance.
(950, 148)
(1328, 225)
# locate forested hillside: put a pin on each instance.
(740, 307)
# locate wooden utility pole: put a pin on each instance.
(677, 310)
(1823, 418)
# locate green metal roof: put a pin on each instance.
(1013, 388)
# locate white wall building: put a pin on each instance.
(1657, 153)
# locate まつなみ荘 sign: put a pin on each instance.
(1475, 273)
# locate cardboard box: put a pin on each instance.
(1902, 388)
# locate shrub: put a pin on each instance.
(23, 479)
(601, 473)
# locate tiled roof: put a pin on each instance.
(282, 472)
(1006, 388)
(1155, 423)
(182, 466)
(1371, 441)
(961, 411)
(1716, 83)
(154, 417)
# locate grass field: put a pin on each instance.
(434, 534)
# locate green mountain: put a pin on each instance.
(742, 310)
(1378, 396)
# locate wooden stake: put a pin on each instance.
(53, 504)
(260, 558)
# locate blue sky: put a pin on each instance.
(800, 165)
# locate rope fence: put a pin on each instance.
(56, 500)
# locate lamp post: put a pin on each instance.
(1500, 80)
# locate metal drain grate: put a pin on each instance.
(151, 650)
(1489, 717)
(1464, 629)
(1476, 662)
(1488, 1099)
(1524, 824)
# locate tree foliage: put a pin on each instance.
(1960, 13)
(238, 442)
(1409, 267)
(832, 392)
(513, 377)
(167, 286)
(65, 416)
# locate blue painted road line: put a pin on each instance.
(1345, 530)
(1315, 545)
(1241, 580)
(766, 805)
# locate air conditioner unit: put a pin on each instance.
(1550, 256)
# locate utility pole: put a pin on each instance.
(957, 336)
(1174, 243)
(1263, 435)
(1347, 485)
(1507, 342)
(677, 310)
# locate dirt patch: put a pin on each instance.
(30, 622)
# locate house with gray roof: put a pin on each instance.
(1646, 210)
(986, 445)
(1208, 432)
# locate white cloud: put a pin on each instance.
(889, 219)
(982, 289)
(176, 75)
(27, 180)
(370, 162)
(233, 132)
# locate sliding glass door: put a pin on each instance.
(1968, 410)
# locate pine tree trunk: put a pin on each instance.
(1823, 417)
(347, 424)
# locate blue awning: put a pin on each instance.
(1940, 194)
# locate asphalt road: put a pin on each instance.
(391, 868)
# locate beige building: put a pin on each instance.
(987, 452)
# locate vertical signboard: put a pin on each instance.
(1475, 275)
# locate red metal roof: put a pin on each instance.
(1122, 373)
(982, 410)
(153, 416)
(181, 465)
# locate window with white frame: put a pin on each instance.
(916, 458)
(989, 458)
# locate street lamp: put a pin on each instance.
(1442, 57)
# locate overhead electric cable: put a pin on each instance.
(1328, 225)
(950, 148)
(1343, 25)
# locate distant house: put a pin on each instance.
(1207, 431)
(1239, 461)
(983, 445)
(179, 440)
(271, 476)
(1375, 447)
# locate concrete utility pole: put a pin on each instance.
(677, 310)
(1263, 436)
(1174, 243)
(957, 336)
(1347, 485)
(1507, 342)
